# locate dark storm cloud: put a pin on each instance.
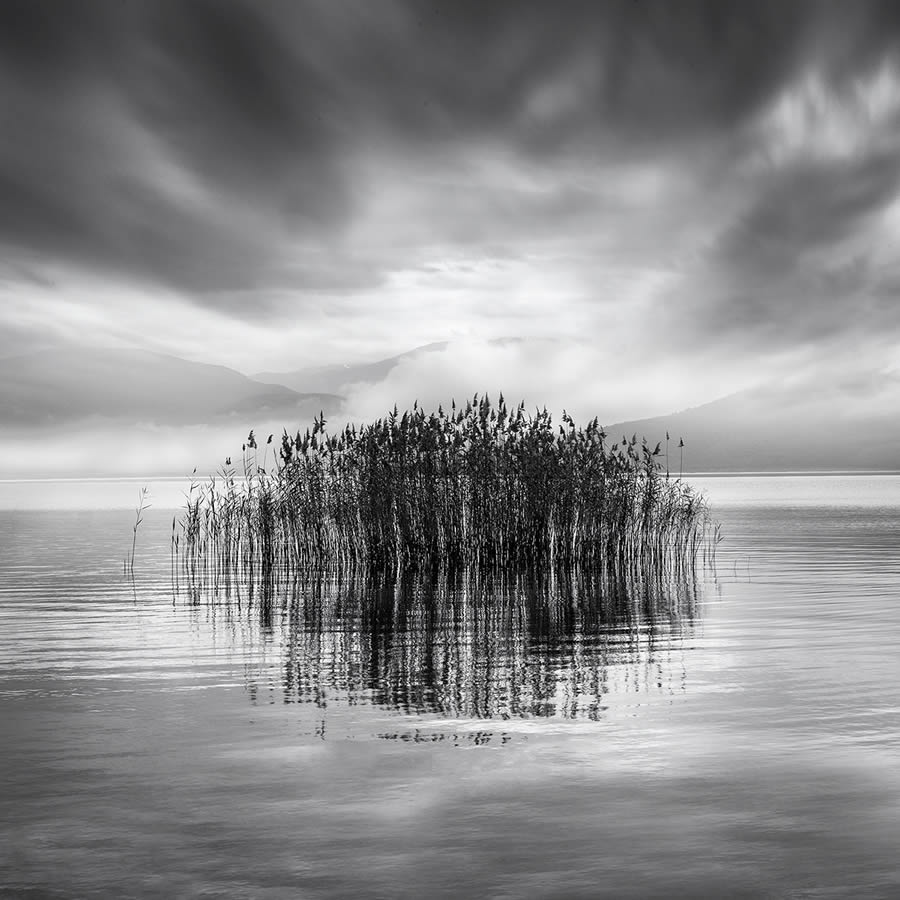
(814, 206)
(800, 264)
(634, 70)
(178, 143)
(221, 147)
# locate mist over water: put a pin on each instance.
(734, 735)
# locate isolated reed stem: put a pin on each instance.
(143, 504)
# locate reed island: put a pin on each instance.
(479, 485)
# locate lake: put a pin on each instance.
(736, 736)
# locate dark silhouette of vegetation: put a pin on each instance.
(478, 486)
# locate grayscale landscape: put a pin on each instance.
(449, 450)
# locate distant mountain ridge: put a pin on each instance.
(832, 422)
(53, 386)
(336, 377)
(821, 427)
(827, 422)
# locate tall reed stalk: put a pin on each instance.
(142, 507)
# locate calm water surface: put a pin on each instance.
(736, 737)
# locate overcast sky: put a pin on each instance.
(676, 198)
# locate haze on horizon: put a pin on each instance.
(660, 203)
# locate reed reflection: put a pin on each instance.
(486, 646)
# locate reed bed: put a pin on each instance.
(481, 486)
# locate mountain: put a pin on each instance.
(60, 386)
(830, 420)
(831, 424)
(334, 379)
(825, 421)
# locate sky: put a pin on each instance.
(665, 201)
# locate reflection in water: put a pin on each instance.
(746, 745)
(474, 647)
